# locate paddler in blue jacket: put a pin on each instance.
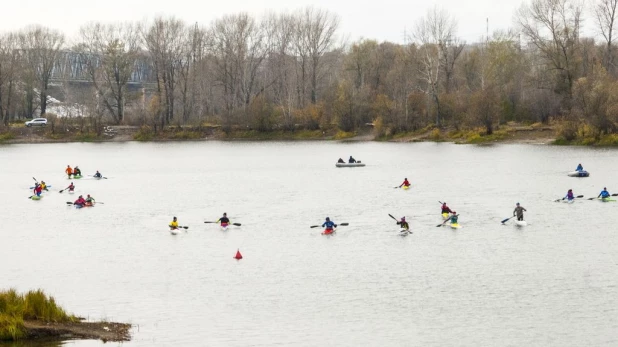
(569, 195)
(579, 168)
(329, 225)
(604, 194)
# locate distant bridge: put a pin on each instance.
(71, 67)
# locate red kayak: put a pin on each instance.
(328, 231)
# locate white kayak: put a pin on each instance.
(71, 192)
(174, 231)
(521, 223)
(582, 173)
(357, 164)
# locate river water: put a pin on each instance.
(552, 283)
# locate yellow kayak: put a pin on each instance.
(445, 216)
(455, 225)
(406, 187)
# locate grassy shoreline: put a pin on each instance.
(507, 133)
(35, 315)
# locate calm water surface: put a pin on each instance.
(552, 283)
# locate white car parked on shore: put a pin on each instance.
(37, 121)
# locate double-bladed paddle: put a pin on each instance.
(446, 220)
(181, 227)
(336, 225)
(615, 194)
(236, 224)
(579, 196)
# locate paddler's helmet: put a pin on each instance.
(327, 218)
(517, 204)
(88, 195)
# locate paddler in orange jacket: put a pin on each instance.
(69, 171)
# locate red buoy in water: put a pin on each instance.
(238, 255)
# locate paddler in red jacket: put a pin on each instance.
(37, 189)
(405, 183)
(80, 201)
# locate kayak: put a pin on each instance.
(569, 201)
(76, 177)
(174, 231)
(35, 197)
(357, 164)
(328, 231)
(224, 227)
(71, 192)
(521, 223)
(404, 232)
(445, 216)
(455, 225)
(406, 187)
(607, 199)
(582, 173)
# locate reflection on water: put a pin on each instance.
(552, 283)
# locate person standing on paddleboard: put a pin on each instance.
(69, 171)
(604, 194)
(330, 225)
(224, 220)
(405, 183)
(519, 211)
(403, 224)
(174, 224)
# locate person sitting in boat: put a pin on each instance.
(404, 224)
(98, 174)
(44, 186)
(71, 187)
(405, 183)
(330, 225)
(340, 161)
(446, 209)
(351, 160)
(37, 189)
(519, 211)
(77, 172)
(90, 200)
(174, 224)
(579, 168)
(569, 195)
(69, 171)
(604, 194)
(224, 220)
(80, 202)
(454, 217)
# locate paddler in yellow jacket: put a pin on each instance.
(174, 224)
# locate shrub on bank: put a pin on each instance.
(34, 305)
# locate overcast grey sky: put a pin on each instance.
(375, 19)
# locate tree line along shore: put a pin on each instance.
(293, 75)
(34, 315)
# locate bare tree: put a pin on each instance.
(552, 26)
(317, 29)
(40, 48)
(439, 50)
(9, 65)
(109, 53)
(166, 40)
(605, 17)
(239, 49)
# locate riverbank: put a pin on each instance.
(509, 133)
(35, 315)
